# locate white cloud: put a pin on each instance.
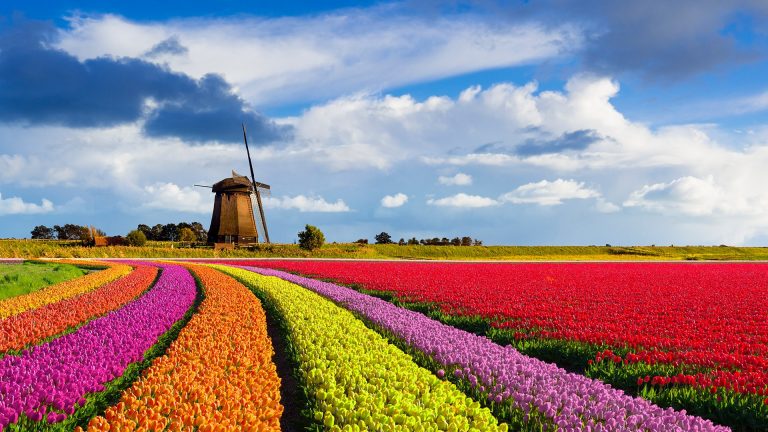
(396, 200)
(463, 200)
(604, 206)
(306, 204)
(168, 196)
(690, 196)
(459, 179)
(546, 193)
(320, 56)
(17, 206)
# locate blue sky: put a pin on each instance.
(538, 122)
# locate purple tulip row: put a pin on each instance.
(48, 381)
(570, 401)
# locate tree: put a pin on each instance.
(157, 233)
(456, 241)
(136, 238)
(413, 241)
(401, 242)
(169, 232)
(200, 232)
(466, 241)
(42, 232)
(478, 242)
(311, 238)
(72, 232)
(361, 241)
(187, 235)
(383, 238)
(146, 230)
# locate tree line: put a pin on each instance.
(385, 238)
(182, 231)
(175, 232)
(66, 232)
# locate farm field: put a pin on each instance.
(687, 335)
(155, 249)
(23, 278)
(241, 345)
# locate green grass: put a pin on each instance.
(70, 249)
(19, 279)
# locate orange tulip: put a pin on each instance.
(214, 376)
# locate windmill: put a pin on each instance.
(233, 220)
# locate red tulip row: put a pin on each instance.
(710, 317)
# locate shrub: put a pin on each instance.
(311, 238)
(136, 238)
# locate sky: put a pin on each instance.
(514, 122)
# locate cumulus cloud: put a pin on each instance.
(169, 196)
(462, 200)
(110, 91)
(393, 201)
(304, 203)
(546, 193)
(459, 179)
(686, 195)
(170, 46)
(321, 56)
(604, 206)
(17, 206)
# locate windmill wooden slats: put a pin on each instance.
(232, 220)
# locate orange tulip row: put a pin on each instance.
(218, 375)
(31, 326)
(63, 290)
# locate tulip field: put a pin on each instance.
(268, 345)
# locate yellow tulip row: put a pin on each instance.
(60, 291)
(218, 375)
(357, 380)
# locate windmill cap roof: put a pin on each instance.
(233, 184)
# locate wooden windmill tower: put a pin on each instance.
(233, 220)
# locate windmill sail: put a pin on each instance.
(257, 187)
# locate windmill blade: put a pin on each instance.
(256, 189)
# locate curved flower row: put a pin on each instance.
(570, 401)
(219, 371)
(710, 319)
(50, 380)
(356, 378)
(63, 290)
(31, 326)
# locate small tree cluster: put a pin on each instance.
(385, 238)
(66, 232)
(182, 231)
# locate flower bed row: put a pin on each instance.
(48, 382)
(64, 290)
(217, 375)
(34, 325)
(538, 391)
(354, 377)
(709, 316)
